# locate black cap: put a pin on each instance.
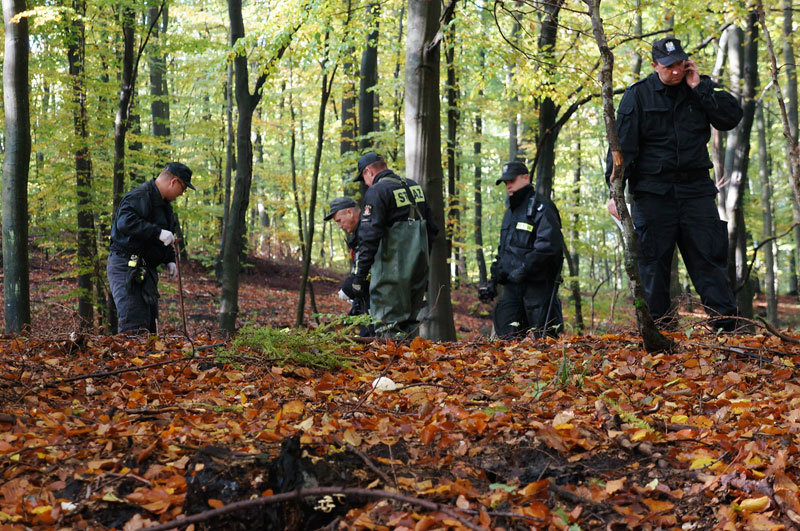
(511, 170)
(365, 160)
(340, 203)
(668, 50)
(181, 171)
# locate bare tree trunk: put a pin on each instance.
(547, 133)
(791, 112)
(453, 207)
(791, 139)
(478, 198)
(159, 106)
(423, 158)
(745, 61)
(573, 257)
(16, 164)
(349, 131)
(369, 78)
(235, 228)
(652, 338)
(325, 93)
(87, 247)
(764, 171)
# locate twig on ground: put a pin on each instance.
(318, 491)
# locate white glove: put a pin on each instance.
(343, 297)
(166, 237)
(172, 269)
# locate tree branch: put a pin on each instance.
(318, 491)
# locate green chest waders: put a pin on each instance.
(399, 276)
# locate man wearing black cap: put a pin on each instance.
(528, 262)
(395, 233)
(664, 124)
(141, 240)
(346, 212)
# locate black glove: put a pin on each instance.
(487, 293)
(517, 276)
(356, 287)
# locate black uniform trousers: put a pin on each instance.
(662, 221)
(134, 313)
(524, 307)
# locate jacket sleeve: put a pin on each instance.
(544, 259)
(371, 229)
(628, 133)
(132, 219)
(430, 225)
(722, 109)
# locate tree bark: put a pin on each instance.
(369, 78)
(573, 257)
(16, 164)
(478, 197)
(159, 105)
(791, 112)
(653, 340)
(325, 94)
(86, 245)
(235, 228)
(423, 158)
(764, 172)
(453, 207)
(737, 160)
(547, 133)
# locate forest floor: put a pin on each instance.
(580, 432)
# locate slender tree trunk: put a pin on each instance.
(791, 140)
(423, 158)
(478, 196)
(86, 248)
(398, 91)
(514, 121)
(547, 133)
(16, 164)
(159, 105)
(236, 226)
(452, 162)
(369, 78)
(325, 94)
(764, 171)
(791, 111)
(736, 164)
(573, 262)
(652, 338)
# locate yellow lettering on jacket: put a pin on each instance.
(524, 226)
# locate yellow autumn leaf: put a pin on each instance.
(5, 517)
(701, 462)
(564, 426)
(42, 509)
(352, 437)
(639, 435)
(679, 419)
(754, 505)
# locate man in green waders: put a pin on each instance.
(395, 233)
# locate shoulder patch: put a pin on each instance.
(367, 212)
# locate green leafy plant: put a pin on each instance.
(319, 347)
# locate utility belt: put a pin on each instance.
(675, 176)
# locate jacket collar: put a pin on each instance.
(519, 197)
(385, 173)
(155, 195)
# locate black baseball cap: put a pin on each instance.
(181, 171)
(668, 51)
(511, 170)
(340, 203)
(365, 160)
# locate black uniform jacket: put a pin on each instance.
(385, 203)
(664, 130)
(142, 214)
(531, 245)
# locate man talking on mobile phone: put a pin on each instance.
(664, 125)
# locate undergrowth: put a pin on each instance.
(319, 347)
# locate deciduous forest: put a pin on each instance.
(257, 406)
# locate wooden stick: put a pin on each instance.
(319, 491)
